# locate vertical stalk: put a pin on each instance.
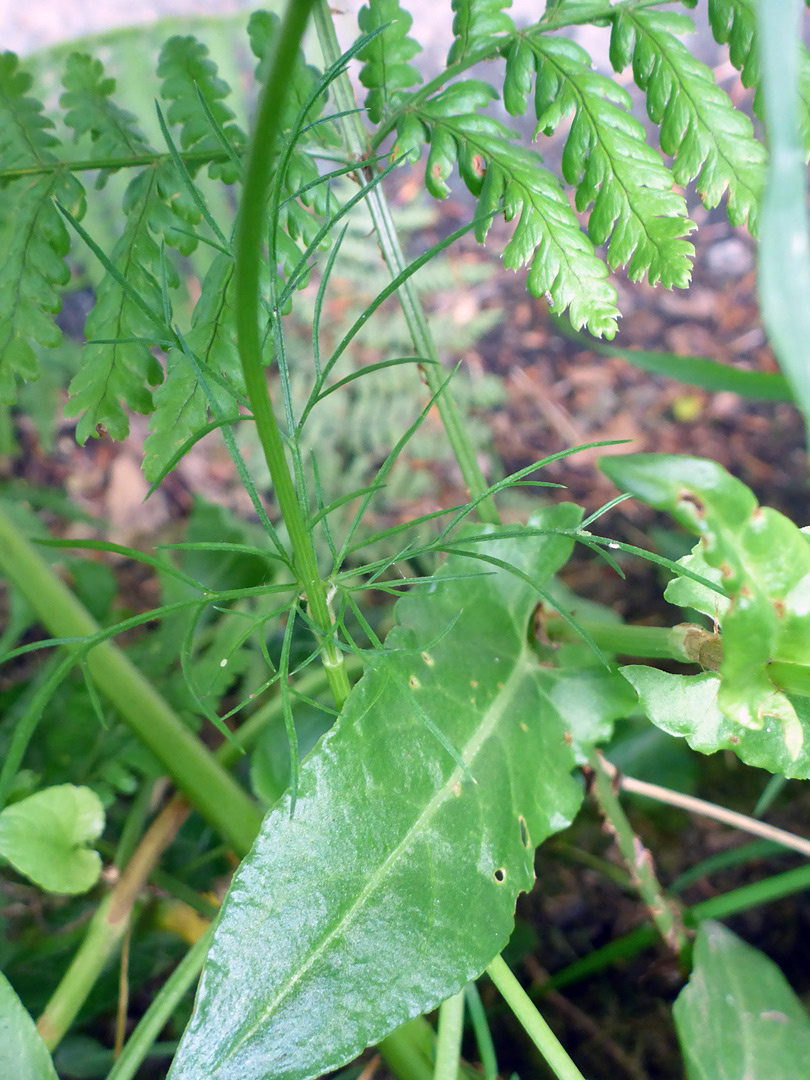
(533, 1023)
(665, 916)
(357, 143)
(248, 254)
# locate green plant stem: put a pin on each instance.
(448, 1042)
(192, 767)
(652, 642)
(408, 1051)
(638, 859)
(533, 1023)
(160, 1010)
(248, 255)
(108, 925)
(358, 145)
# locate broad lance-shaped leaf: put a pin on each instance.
(394, 881)
(764, 562)
(738, 1016)
(23, 1054)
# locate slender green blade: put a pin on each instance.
(738, 1017)
(415, 825)
(23, 1054)
(784, 247)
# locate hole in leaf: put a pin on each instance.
(500, 874)
(524, 832)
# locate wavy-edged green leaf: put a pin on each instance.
(33, 237)
(606, 157)
(502, 174)
(475, 23)
(711, 141)
(45, 837)
(738, 1016)
(386, 71)
(189, 74)
(23, 1054)
(449, 764)
(686, 706)
(764, 560)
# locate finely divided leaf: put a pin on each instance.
(475, 23)
(709, 139)
(417, 816)
(606, 157)
(562, 260)
(386, 71)
(180, 402)
(188, 74)
(33, 237)
(738, 1016)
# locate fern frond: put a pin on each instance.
(709, 139)
(386, 71)
(119, 366)
(180, 402)
(475, 23)
(562, 261)
(606, 157)
(91, 113)
(733, 23)
(188, 74)
(33, 237)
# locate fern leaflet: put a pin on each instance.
(562, 261)
(180, 402)
(733, 23)
(33, 236)
(709, 139)
(606, 157)
(475, 23)
(386, 71)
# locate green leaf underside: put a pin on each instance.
(606, 157)
(386, 71)
(417, 816)
(33, 237)
(475, 23)
(562, 260)
(711, 141)
(23, 1054)
(45, 835)
(686, 706)
(764, 562)
(738, 1017)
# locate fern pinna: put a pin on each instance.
(149, 351)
